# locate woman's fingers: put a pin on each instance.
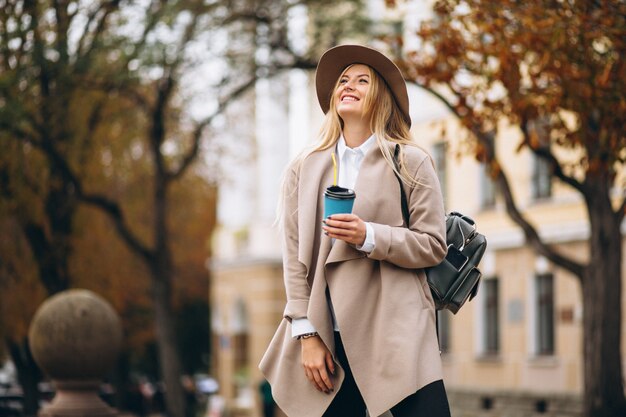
(322, 380)
(347, 227)
(330, 364)
(314, 361)
(309, 372)
(318, 375)
(344, 217)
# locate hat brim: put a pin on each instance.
(336, 59)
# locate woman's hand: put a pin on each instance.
(347, 227)
(318, 363)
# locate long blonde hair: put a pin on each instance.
(387, 122)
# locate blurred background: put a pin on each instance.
(142, 145)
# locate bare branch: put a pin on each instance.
(23, 35)
(93, 122)
(530, 233)
(197, 133)
(16, 131)
(439, 96)
(184, 41)
(115, 213)
(546, 154)
(111, 208)
(249, 15)
(4, 47)
(532, 237)
(300, 63)
(82, 42)
(154, 12)
(157, 119)
(128, 92)
(108, 9)
(25, 182)
(557, 170)
(190, 156)
(53, 276)
(61, 28)
(165, 88)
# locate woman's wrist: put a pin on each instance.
(306, 335)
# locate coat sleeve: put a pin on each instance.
(423, 243)
(294, 271)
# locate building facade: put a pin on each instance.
(519, 342)
(515, 350)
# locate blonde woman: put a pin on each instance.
(359, 325)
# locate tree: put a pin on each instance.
(99, 260)
(21, 293)
(556, 69)
(53, 57)
(64, 65)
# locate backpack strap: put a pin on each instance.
(405, 215)
(403, 200)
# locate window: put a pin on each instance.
(544, 317)
(487, 185)
(491, 332)
(541, 185)
(487, 189)
(439, 155)
(240, 330)
(541, 181)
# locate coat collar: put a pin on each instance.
(363, 148)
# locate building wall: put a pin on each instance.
(515, 369)
(515, 381)
(257, 286)
(561, 221)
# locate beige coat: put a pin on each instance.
(382, 303)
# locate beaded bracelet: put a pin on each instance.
(306, 335)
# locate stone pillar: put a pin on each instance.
(75, 338)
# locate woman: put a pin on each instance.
(359, 318)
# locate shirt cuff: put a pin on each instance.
(301, 326)
(369, 244)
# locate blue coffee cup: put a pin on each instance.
(338, 200)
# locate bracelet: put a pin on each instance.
(306, 335)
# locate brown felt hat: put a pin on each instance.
(336, 59)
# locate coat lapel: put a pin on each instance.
(315, 175)
(375, 175)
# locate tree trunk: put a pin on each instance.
(602, 312)
(28, 374)
(168, 353)
(50, 245)
(50, 241)
(162, 270)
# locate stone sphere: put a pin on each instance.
(75, 335)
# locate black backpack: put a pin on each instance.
(456, 278)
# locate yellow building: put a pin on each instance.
(517, 344)
(515, 350)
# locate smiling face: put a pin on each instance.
(351, 91)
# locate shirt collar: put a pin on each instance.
(362, 149)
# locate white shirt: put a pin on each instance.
(349, 161)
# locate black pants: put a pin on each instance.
(430, 401)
